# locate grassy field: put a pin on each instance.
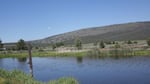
(92, 52)
(18, 77)
(120, 48)
(42, 54)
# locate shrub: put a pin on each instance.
(102, 45)
(148, 42)
(19, 77)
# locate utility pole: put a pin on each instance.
(30, 59)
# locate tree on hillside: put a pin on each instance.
(108, 42)
(113, 42)
(21, 45)
(56, 45)
(102, 45)
(78, 44)
(135, 42)
(129, 42)
(59, 44)
(1, 44)
(148, 42)
(53, 46)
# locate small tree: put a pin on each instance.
(78, 44)
(102, 45)
(21, 45)
(135, 42)
(59, 44)
(53, 46)
(56, 45)
(108, 42)
(113, 42)
(148, 42)
(129, 42)
(1, 44)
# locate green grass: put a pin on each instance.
(117, 52)
(18, 77)
(43, 54)
(93, 52)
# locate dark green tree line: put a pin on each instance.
(1, 44)
(148, 42)
(101, 44)
(21, 45)
(78, 44)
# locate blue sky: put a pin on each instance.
(37, 19)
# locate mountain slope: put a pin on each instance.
(127, 31)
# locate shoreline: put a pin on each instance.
(93, 53)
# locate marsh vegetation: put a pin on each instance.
(19, 77)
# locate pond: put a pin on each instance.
(87, 70)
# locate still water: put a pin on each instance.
(87, 70)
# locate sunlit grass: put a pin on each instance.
(43, 54)
(92, 52)
(118, 52)
(19, 77)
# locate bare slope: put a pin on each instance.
(128, 31)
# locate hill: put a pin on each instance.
(127, 31)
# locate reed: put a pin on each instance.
(92, 52)
(119, 52)
(42, 54)
(19, 77)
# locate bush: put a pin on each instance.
(102, 45)
(64, 81)
(78, 44)
(129, 42)
(148, 42)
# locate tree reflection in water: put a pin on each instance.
(23, 59)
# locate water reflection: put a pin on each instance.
(79, 59)
(23, 59)
(117, 57)
(92, 70)
(1, 61)
(96, 57)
